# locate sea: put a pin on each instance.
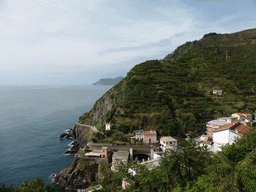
(31, 121)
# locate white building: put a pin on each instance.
(167, 142)
(227, 134)
(108, 126)
(213, 125)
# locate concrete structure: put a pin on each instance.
(120, 157)
(227, 134)
(228, 119)
(213, 125)
(150, 136)
(92, 154)
(108, 126)
(167, 142)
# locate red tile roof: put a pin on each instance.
(243, 114)
(241, 128)
(150, 132)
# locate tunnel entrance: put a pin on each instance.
(140, 157)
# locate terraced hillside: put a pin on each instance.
(175, 95)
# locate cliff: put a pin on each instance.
(79, 175)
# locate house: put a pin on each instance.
(244, 118)
(204, 138)
(167, 142)
(120, 157)
(217, 92)
(213, 125)
(226, 134)
(138, 134)
(150, 136)
(108, 126)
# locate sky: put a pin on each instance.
(75, 42)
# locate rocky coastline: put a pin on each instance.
(82, 172)
(79, 175)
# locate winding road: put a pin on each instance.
(92, 127)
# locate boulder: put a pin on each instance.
(63, 135)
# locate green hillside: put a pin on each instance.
(174, 95)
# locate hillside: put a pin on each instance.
(174, 95)
(109, 81)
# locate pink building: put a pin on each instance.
(150, 136)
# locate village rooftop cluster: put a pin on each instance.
(219, 132)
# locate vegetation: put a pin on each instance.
(192, 168)
(35, 185)
(175, 95)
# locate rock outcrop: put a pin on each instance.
(79, 175)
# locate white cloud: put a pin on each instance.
(59, 36)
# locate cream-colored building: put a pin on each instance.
(168, 142)
(244, 118)
(118, 158)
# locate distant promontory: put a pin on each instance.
(109, 81)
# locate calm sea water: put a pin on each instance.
(31, 120)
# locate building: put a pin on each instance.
(139, 135)
(167, 142)
(108, 126)
(104, 152)
(120, 157)
(150, 136)
(228, 119)
(217, 92)
(204, 138)
(213, 125)
(227, 134)
(244, 118)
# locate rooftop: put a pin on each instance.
(167, 139)
(150, 132)
(241, 128)
(243, 114)
(217, 122)
(121, 155)
(93, 154)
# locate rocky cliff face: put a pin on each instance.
(79, 175)
(98, 115)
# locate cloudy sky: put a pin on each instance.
(80, 41)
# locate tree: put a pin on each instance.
(227, 175)
(185, 164)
